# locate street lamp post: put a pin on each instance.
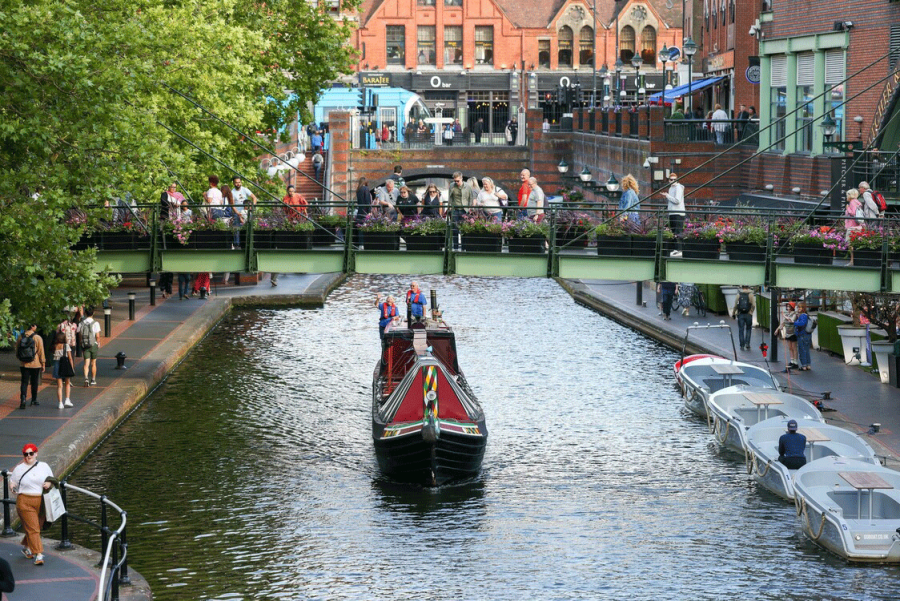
(664, 58)
(604, 70)
(636, 62)
(619, 66)
(689, 48)
(594, 59)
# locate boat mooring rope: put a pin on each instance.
(801, 504)
(718, 429)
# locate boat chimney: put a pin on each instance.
(434, 307)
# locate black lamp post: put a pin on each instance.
(636, 62)
(621, 92)
(690, 49)
(664, 58)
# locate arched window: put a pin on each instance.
(626, 44)
(586, 47)
(648, 46)
(565, 39)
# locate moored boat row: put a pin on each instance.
(847, 502)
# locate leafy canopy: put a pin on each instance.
(86, 115)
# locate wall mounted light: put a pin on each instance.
(796, 189)
(563, 166)
(770, 187)
(859, 121)
(585, 174)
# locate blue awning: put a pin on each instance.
(669, 95)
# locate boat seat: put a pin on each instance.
(883, 506)
(718, 383)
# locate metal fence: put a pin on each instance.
(719, 132)
(113, 541)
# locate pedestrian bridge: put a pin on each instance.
(564, 250)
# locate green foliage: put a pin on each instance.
(424, 227)
(331, 220)
(613, 227)
(471, 225)
(525, 228)
(88, 114)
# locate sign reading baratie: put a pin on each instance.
(375, 80)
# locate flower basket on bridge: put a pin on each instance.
(817, 246)
(867, 246)
(326, 227)
(745, 240)
(274, 233)
(525, 236)
(643, 245)
(380, 232)
(746, 251)
(700, 241)
(612, 239)
(481, 235)
(424, 234)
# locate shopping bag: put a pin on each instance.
(53, 504)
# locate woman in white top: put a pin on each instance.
(213, 198)
(29, 481)
(488, 200)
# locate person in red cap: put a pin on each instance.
(788, 332)
(29, 480)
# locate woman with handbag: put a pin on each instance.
(29, 480)
(63, 369)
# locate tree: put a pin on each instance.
(87, 114)
(881, 309)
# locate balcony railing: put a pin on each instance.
(719, 132)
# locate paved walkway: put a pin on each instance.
(857, 397)
(158, 338)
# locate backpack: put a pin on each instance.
(86, 334)
(25, 351)
(743, 305)
(879, 200)
(811, 325)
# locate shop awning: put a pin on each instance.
(669, 95)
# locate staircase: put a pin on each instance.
(307, 187)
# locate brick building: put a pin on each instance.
(485, 58)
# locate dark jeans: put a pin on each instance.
(455, 217)
(676, 224)
(745, 328)
(667, 302)
(184, 285)
(165, 282)
(30, 375)
(792, 463)
(318, 169)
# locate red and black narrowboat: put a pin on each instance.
(427, 425)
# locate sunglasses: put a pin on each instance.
(29, 453)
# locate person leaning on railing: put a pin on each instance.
(460, 198)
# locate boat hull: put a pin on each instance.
(411, 457)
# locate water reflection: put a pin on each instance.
(250, 473)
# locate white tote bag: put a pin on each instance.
(53, 504)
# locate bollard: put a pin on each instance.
(131, 296)
(639, 293)
(152, 293)
(64, 542)
(107, 321)
(203, 293)
(120, 360)
(7, 529)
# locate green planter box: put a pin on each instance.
(762, 311)
(715, 300)
(829, 339)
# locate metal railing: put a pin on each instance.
(720, 132)
(113, 542)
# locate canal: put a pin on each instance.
(250, 473)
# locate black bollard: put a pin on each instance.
(202, 292)
(120, 360)
(107, 321)
(152, 293)
(7, 528)
(131, 296)
(639, 293)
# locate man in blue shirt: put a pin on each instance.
(791, 447)
(415, 298)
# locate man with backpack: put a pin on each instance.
(30, 353)
(89, 341)
(871, 206)
(743, 308)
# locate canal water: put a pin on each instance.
(250, 473)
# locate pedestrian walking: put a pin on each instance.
(719, 123)
(742, 310)
(667, 291)
(63, 370)
(630, 204)
(30, 353)
(789, 334)
(29, 480)
(89, 341)
(318, 162)
(675, 205)
(478, 130)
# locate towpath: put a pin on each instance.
(154, 342)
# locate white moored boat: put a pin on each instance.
(822, 440)
(698, 376)
(704, 377)
(733, 410)
(850, 507)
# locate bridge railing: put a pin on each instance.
(564, 227)
(113, 546)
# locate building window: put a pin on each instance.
(484, 45)
(626, 44)
(544, 54)
(564, 39)
(425, 55)
(452, 2)
(453, 45)
(396, 44)
(806, 79)
(834, 76)
(778, 98)
(731, 9)
(586, 47)
(648, 46)
(894, 47)
(425, 2)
